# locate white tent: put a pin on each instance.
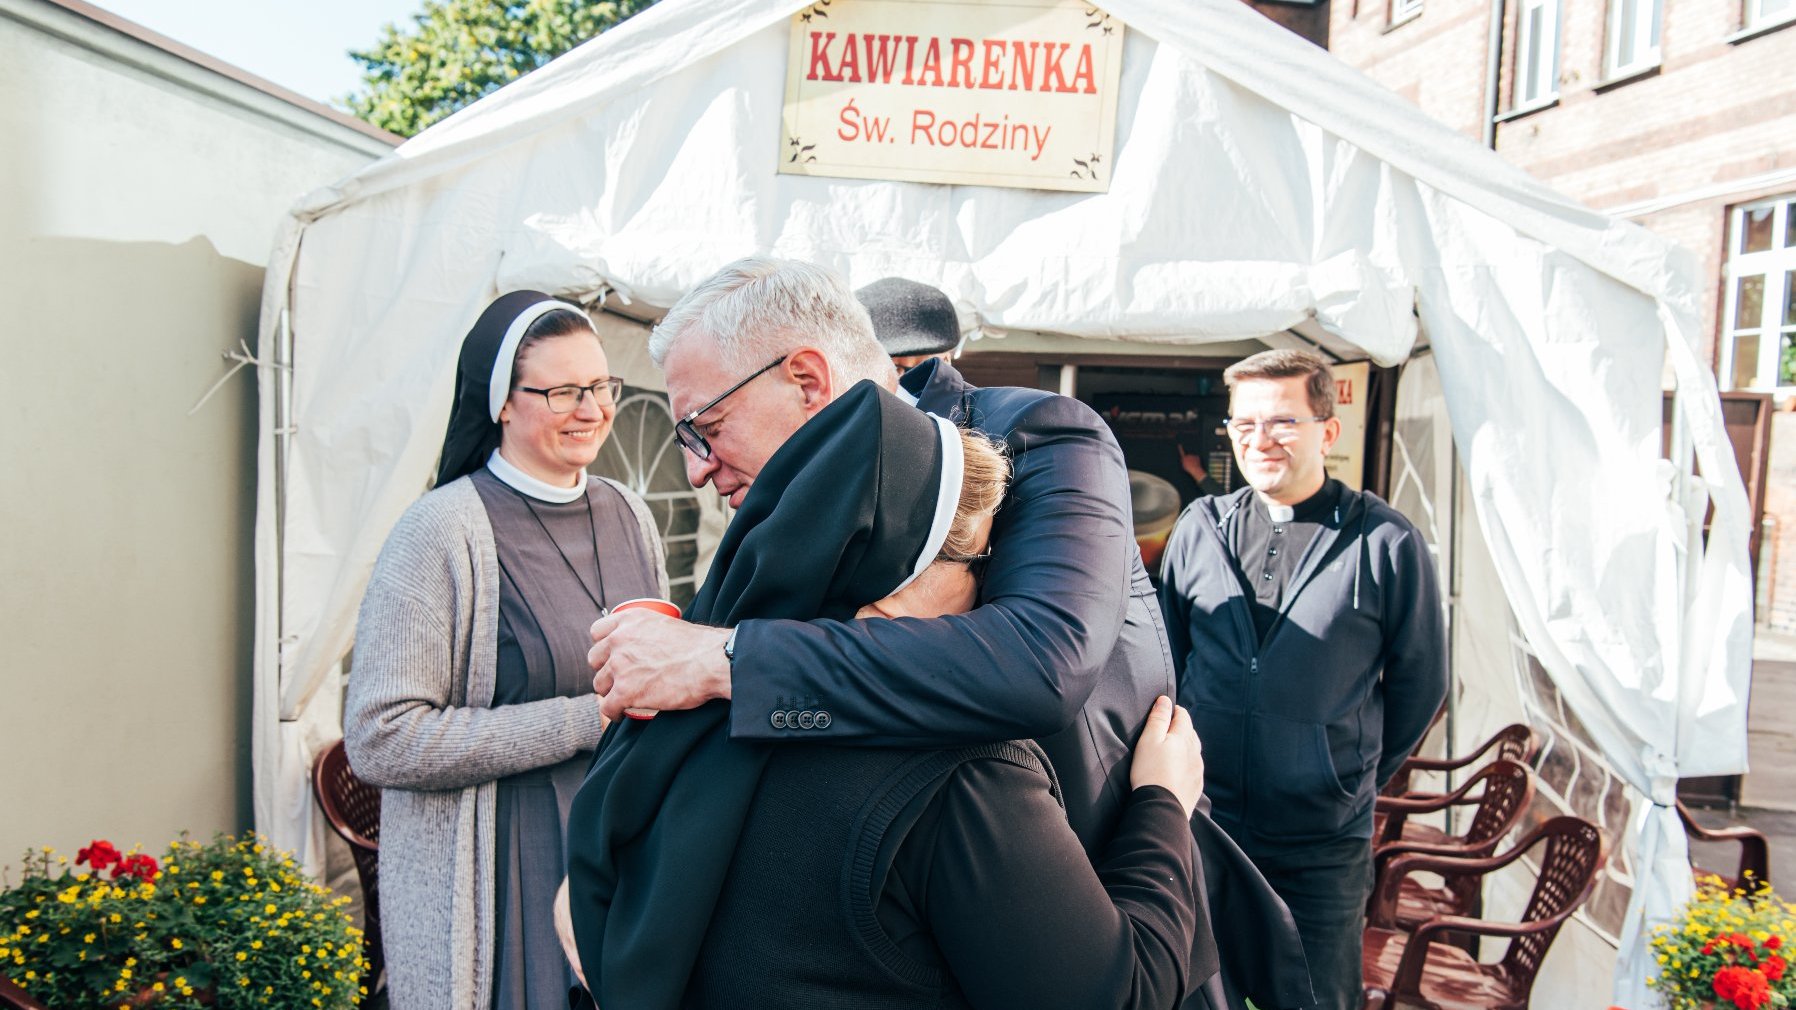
(1258, 185)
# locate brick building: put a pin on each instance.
(1679, 116)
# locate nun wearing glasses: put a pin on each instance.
(470, 700)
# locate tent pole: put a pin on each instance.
(1453, 596)
(283, 436)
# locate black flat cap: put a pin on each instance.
(910, 318)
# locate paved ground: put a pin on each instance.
(1768, 795)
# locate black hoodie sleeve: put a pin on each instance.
(1175, 606)
(1415, 649)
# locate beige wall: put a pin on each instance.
(139, 194)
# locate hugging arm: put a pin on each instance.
(1020, 665)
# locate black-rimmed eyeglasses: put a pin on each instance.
(566, 399)
(686, 433)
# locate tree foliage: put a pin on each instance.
(457, 51)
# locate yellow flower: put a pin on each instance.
(241, 956)
(175, 943)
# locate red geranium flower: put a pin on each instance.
(1774, 965)
(1709, 948)
(1774, 942)
(1744, 987)
(99, 854)
(140, 867)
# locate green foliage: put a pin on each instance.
(457, 51)
(227, 924)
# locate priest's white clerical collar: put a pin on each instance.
(1280, 513)
(523, 483)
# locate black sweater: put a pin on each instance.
(1301, 726)
(906, 879)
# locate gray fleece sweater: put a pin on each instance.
(418, 723)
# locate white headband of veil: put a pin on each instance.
(499, 386)
(947, 496)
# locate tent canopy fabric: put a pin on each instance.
(1259, 184)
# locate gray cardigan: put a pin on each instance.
(419, 723)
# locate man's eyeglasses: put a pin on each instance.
(686, 433)
(566, 399)
(1279, 429)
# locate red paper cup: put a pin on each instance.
(659, 606)
(667, 608)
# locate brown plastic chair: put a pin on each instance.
(353, 809)
(1506, 789)
(1517, 742)
(1754, 871)
(14, 998)
(1503, 789)
(1419, 969)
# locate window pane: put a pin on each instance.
(1749, 302)
(1550, 86)
(1656, 9)
(1755, 233)
(1625, 16)
(1790, 298)
(1531, 74)
(1769, 9)
(1789, 224)
(1746, 361)
(1786, 361)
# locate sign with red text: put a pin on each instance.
(1346, 462)
(979, 92)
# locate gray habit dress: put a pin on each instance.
(549, 578)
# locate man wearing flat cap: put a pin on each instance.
(913, 322)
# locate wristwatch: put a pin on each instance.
(729, 647)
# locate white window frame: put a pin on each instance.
(1542, 87)
(1408, 10)
(1644, 37)
(1757, 18)
(1776, 266)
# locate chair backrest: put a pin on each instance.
(1754, 870)
(1517, 742)
(1574, 852)
(353, 809)
(350, 805)
(14, 998)
(1508, 786)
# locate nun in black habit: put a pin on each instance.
(709, 873)
(470, 702)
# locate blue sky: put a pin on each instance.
(298, 44)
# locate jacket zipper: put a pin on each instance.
(1253, 693)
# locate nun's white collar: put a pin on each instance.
(525, 484)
